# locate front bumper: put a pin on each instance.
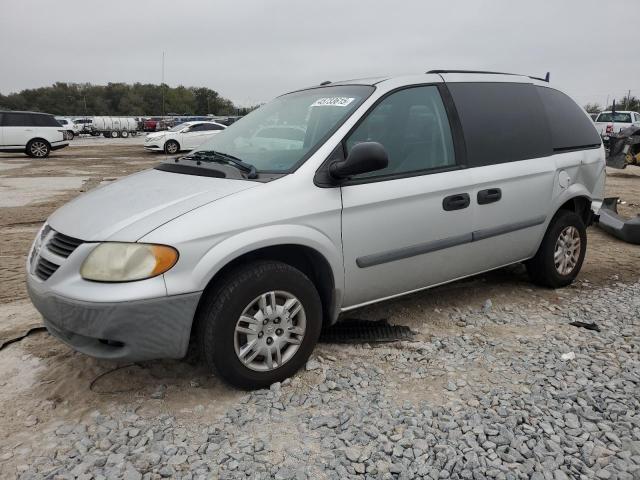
(153, 148)
(131, 331)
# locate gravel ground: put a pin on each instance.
(555, 401)
(497, 384)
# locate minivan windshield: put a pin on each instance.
(283, 133)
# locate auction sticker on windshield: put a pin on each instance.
(333, 102)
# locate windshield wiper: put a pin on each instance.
(212, 156)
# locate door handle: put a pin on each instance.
(489, 195)
(456, 202)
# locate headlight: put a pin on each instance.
(126, 262)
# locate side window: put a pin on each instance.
(413, 126)
(13, 119)
(198, 128)
(502, 122)
(570, 127)
(217, 127)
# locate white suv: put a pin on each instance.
(71, 129)
(249, 249)
(185, 136)
(35, 134)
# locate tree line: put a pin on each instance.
(80, 99)
(627, 103)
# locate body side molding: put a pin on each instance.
(421, 249)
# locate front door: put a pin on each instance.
(195, 136)
(408, 226)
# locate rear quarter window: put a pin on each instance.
(570, 128)
(43, 120)
(502, 122)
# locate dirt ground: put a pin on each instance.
(43, 382)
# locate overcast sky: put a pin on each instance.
(251, 50)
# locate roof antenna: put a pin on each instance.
(326, 82)
(547, 76)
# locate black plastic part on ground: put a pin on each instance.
(352, 330)
(611, 222)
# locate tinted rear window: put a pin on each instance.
(617, 118)
(43, 120)
(571, 128)
(502, 122)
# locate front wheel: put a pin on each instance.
(260, 325)
(70, 134)
(171, 147)
(561, 253)
(124, 134)
(114, 134)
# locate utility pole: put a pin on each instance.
(627, 100)
(162, 84)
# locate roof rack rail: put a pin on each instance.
(545, 79)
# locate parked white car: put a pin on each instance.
(71, 129)
(32, 133)
(185, 136)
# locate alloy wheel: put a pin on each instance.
(39, 149)
(567, 251)
(269, 331)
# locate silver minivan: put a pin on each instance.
(319, 202)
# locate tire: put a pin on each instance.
(38, 148)
(70, 134)
(225, 307)
(543, 268)
(171, 147)
(114, 134)
(124, 134)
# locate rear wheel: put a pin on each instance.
(171, 147)
(113, 134)
(124, 134)
(561, 253)
(260, 325)
(38, 148)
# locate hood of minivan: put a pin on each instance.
(128, 209)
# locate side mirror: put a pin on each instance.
(364, 157)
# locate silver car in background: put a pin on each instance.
(319, 202)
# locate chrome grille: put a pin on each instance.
(45, 268)
(63, 245)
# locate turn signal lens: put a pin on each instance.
(127, 262)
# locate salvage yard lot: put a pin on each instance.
(482, 391)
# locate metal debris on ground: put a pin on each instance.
(588, 326)
(353, 330)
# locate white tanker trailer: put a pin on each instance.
(112, 127)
